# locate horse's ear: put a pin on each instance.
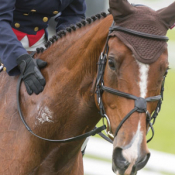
(168, 15)
(120, 9)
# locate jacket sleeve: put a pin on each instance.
(10, 47)
(73, 12)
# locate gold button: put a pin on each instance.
(17, 25)
(33, 10)
(45, 19)
(36, 29)
(55, 12)
(4, 68)
(25, 14)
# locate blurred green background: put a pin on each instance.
(164, 139)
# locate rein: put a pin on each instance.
(79, 137)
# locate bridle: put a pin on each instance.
(140, 103)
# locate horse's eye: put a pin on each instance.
(111, 64)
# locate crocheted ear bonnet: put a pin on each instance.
(142, 19)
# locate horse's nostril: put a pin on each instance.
(141, 163)
(122, 166)
(119, 162)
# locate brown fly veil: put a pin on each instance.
(142, 19)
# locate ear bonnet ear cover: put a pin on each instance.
(142, 19)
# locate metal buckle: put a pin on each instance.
(108, 132)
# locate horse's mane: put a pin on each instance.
(70, 29)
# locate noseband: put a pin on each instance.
(140, 103)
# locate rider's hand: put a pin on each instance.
(32, 77)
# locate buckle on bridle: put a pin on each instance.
(108, 132)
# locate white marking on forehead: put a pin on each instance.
(143, 72)
(131, 153)
(44, 115)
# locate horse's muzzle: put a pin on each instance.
(121, 166)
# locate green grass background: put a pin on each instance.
(171, 34)
(164, 139)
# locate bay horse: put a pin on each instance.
(69, 106)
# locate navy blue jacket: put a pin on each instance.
(29, 16)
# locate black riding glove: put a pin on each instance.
(32, 77)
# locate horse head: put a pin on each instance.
(129, 87)
(136, 62)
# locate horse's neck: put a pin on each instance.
(72, 70)
(80, 47)
(67, 98)
(66, 107)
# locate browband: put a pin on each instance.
(141, 34)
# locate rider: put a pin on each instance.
(27, 21)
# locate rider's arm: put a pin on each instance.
(73, 12)
(10, 47)
(14, 56)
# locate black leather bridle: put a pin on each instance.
(140, 103)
